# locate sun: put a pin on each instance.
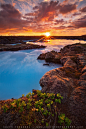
(47, 34)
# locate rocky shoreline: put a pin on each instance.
(8, 47)
(69, 80)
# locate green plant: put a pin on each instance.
(21, 109)
(29, 94)
(22, 95)
(13, 104)
(47, 101)
(17, 103)
(63, 119)
(38, 92)
(41, 111)
(49, 113)
(34, 120)
(23, 103)
(42, 121)
(29, 105)
(48, 105)
(51, 102)
(67, 121)
(52, 95)
(5, 107)
(29, 100)
(58, 100)
(45, 112)
(47, 124)
(53, 115)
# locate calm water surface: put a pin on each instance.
(20, 71)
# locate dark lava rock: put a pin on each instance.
(69, 81)
(50, 57)
(20, 47)
(42, 56)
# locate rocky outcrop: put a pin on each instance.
(69, 80)
(50, 57)
(67, 61)
(19, 47)
(55, 81)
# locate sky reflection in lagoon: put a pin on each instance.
(20, 71)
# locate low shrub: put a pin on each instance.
(41, 112)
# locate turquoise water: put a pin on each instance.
(20, 71)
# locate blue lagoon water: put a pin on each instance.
(20, 71)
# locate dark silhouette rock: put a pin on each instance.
(20, 47)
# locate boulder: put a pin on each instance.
(42, 56)
(49, 57)
(70, 50)
(54, 81)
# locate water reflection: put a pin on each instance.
(57, 44)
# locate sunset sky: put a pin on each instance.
(36, 17)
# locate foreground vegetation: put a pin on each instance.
(38, 109)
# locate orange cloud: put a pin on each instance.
(14, 4)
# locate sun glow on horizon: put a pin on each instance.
(47, 34)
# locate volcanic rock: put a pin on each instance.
(69, 81)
